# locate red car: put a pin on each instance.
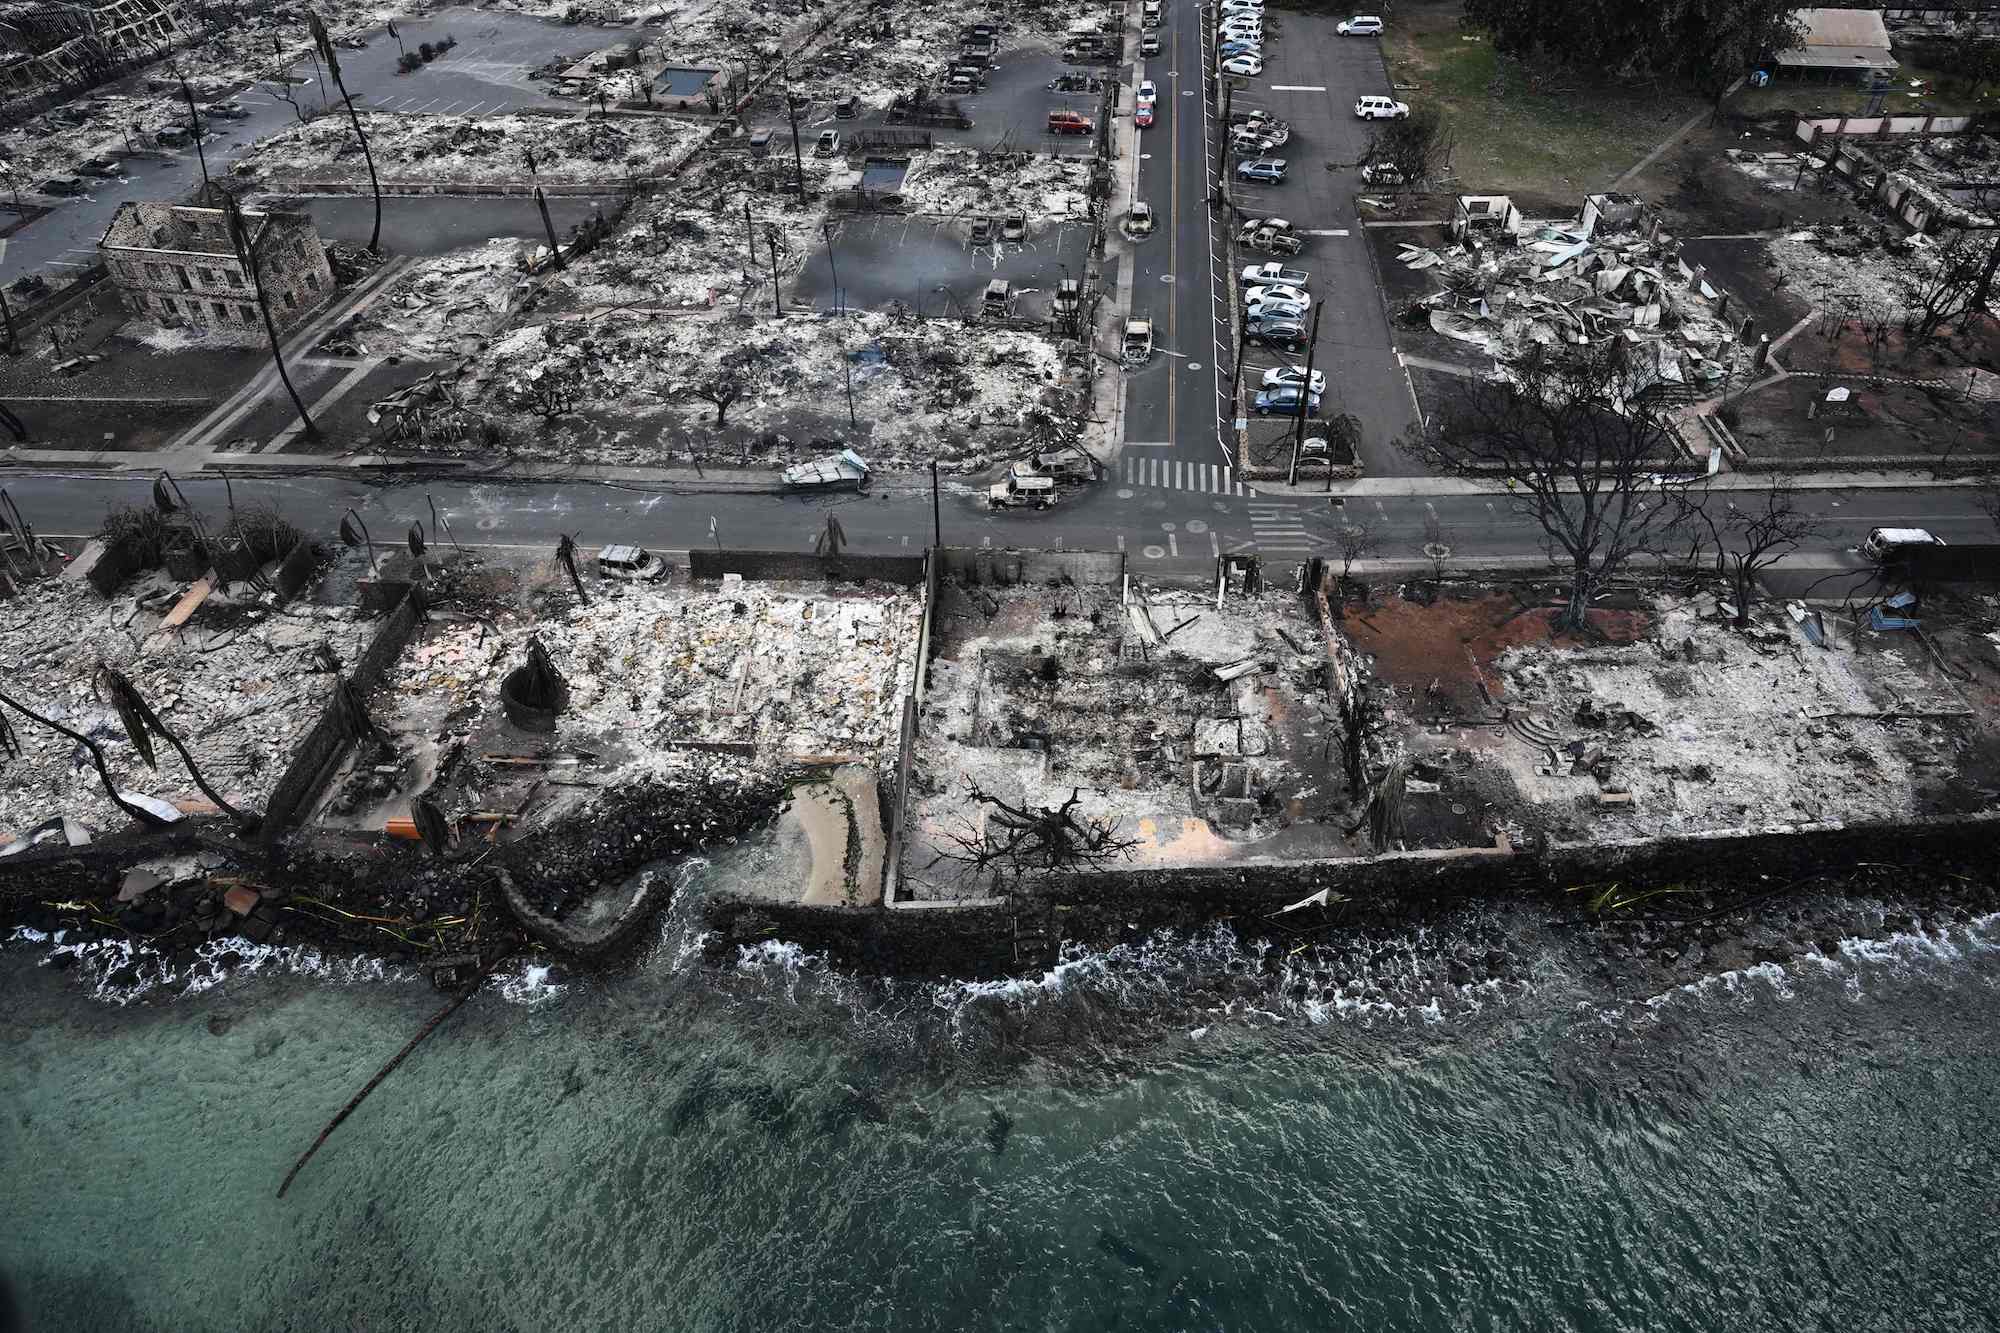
(1143, 117)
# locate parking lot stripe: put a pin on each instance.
(473, 110)
(1149, 444)
(1298, 87)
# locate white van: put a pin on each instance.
(1887, 543)
(1361, 25)
(1149, 15)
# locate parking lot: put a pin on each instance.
(931, 265)
(1011, 111)
(1310, 79)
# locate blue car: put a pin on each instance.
(1240, 47)
(1268, 169)
(1287, 401)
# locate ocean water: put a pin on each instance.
(1180, 1133)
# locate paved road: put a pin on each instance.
(1169, 531)
(484, 75)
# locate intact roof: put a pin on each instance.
(1841, 38)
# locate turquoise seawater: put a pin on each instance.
(1164, 1136)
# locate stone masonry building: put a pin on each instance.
(175, 264)
(51, 45)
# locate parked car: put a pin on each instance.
(1240, 32)
(1361, 25)
(1380, 108)
(847, 108)
(1282, 377)
(1241, 46)
(1276, 293)
(1142, 219)
(1148, 93)
(172, 136)
(1018, 492)
(1275, 317)
(1264, 275)
(1069, 122)
(1287, 335)
(1276, 310)
(1067, 463)
(1143, 116)
(1266, 170)
(1382, 173)
(1885, 543)
(1242, 6)
(1244, 65)
(1068, 298)
(999, 299)
(1015, 227)
(1251, 145)
(1149, 45)
(229, 110)
(982, 231)
(99, 166)
(1138, 348)
(828, 145)
(63, 185)
(1273, 132)
(1287, 401)
(634, 564)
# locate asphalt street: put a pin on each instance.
(485, 75)
(1167, 531)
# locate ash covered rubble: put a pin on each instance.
(239, 680)
(669, 685)
(566, 148)
(1200, 733)
(1698, 727)
(969, 182)
(1551, 284)
(922, 389)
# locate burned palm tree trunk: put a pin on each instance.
(194, 132)
(353, 532)
(326, 52)
(144, 816)
(246, 251)
(566, 560)
(142, 723)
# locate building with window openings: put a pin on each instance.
(176, 265)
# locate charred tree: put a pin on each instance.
(1022, 837)
(332, 61)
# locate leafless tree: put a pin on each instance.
(1948, 284)
(1359, 540)
(141, 724)
(721, 392)
(327, 54)
(1034, 837)
(1437, 544)
(1578, 444)
(285, 92)
(1417, 145)
(1760, 535)
(96, 752)
(246, 241)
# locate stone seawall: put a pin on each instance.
(1387, 891)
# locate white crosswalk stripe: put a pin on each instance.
(1177, 474)
(1279, 529)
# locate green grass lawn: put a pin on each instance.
(1555, 138)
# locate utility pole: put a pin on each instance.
(542, 203)
(1305, 397)
(749, 240)
(937, 515)
(777, 286)
(826, 233)
(792, 114)
(1986, 276)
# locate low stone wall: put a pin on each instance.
(1004, 567)
(326, 744)
(907, 570)
(1383, 891)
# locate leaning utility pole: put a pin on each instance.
(1305, 398)
(792, 113)
(541, 202)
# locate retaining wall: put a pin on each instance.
(320, 753)
(907, 570)
(1004, 567)
(1386, 890)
